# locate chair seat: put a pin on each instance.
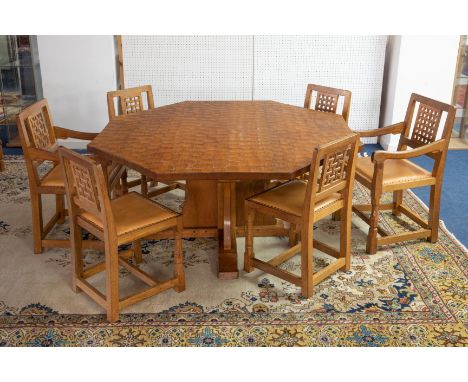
(54, 178)
(395, 171)
(133, 212)
(289, 197)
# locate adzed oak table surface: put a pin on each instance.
(225, 150)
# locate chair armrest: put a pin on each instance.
(38, 154)
(380, 156)
(63, 133)
(397, 128)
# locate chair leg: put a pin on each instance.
(37, 223)
(397, 200)
(144, 185)
(336, 216)
(136, 246)
(76, 254)
(112, 281)
(374, 221)
(60, 208)
(345, 237)
(434, 210)
(124, 183)
(249, 253)
(179, 259)
(307, 261)
(292, 235)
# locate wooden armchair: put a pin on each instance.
(39, 142)
(126, 219)
(302, 204)
(131, 101)
(393, 172)
(327, 99)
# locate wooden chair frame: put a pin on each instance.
(338, 160)
(327, 99)
(39, 142)
(131, 101)
(422, 141)
(93, 198)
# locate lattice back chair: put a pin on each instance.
(126, 219)
(129, 101)
(132, 101)
(38, 138)
(327, 99)
(393, 172)
(301, 203)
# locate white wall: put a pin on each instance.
(259, 67)
(420, 64)
(77, 72)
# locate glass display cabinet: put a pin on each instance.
(20, 83)
(460, 94)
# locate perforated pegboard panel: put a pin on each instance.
(262, 67)
(190, 67)
(284, 65)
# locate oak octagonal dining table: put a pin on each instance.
(225, 151)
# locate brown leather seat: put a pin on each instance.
(289, 197)
(132, 212)
(54, 178)
(395, 171)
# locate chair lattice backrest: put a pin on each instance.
(36, 132)
(129, 100)
(332, 170)
(36, 128)
(327, 99)
(84, 182)
(423, 122)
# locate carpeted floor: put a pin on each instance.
(413, 294)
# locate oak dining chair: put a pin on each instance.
(129, 101)
(394, 172)
(126, 219)
(303, 203)
(327, 99)
(38, 137)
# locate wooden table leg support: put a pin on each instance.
(227, 267)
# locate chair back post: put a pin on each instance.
(36, 131)
(129, 100)
(327, 99)
(337, 160)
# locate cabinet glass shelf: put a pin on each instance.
(20, 84)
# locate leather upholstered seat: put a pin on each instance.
(395, 171)
(289, 197)
(54, 178)
(133, 212)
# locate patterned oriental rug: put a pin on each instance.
(412, 294)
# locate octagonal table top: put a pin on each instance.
(222, 140)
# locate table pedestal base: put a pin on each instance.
(216, 209)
